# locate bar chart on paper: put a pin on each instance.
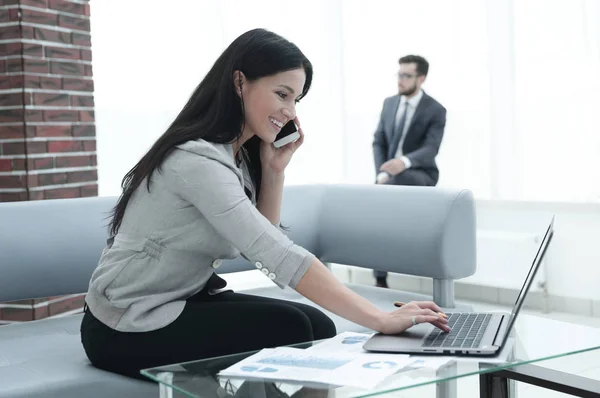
(312, 362)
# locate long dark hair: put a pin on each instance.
(215, 112)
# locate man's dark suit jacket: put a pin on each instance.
(423, 137)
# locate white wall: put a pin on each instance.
(521, 93)
(520, 85)
(145, 68)
(573, 258)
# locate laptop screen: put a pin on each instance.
(530, 276)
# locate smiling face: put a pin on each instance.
(270, 102)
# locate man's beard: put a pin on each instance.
(409, 92)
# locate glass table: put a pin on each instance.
(534, 339)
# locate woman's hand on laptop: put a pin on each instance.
(411, 314)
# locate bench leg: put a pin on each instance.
(443, 292)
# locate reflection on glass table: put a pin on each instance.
(534, 339)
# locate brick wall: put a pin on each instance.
(47, 129)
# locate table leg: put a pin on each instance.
(501, 384)
(449, 388)
(164, 391)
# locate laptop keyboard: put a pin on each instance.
(467, 331)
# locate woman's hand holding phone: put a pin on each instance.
(275, 159)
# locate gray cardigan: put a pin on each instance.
(172, 239)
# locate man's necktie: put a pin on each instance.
(400, 126)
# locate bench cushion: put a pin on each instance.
(45, 358)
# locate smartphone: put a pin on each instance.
(289, 133)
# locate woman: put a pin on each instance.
(209, 189)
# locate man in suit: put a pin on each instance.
(409, 134)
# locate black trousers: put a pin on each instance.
(209, 326)
(411, 177)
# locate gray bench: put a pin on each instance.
(50, 248)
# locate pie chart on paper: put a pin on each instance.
(379, 365)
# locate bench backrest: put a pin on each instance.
(51, 247)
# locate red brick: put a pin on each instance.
(11, 99)
(27, 32)
(86, 116)
(86, 55)
(12, 165)
(61, 116)
(82, 176)
(2, 65)
(11, 115)
(40, 312)
(17, 314)
(62, 52)
(8, 49)
(81, 39)
(56, 99)
(52, 35)
(18, 164)
(33, 181)
(10, 32)
(12, 148)
(93, 160)
(6, 15)
(5, 165)
(86, 10)
(67, 68)
(13, 15)
(36, 65)
(66, 304)
(82, 100)
(89, 146)
(89, 190)
(12, 197)
(52, 179)
(32, 82)
(79, 23)
(37, 147)
(43, 163)
(9, 2)
(83, 130)
(67, 6)
(33, 115)
(48, 298)
(88, 70)
(14, 65)
(33, 50)
(36, 195)
(50, 83)
(35, 3)
(39, 17)
(8, 82)
(52, 131)
(12, 181)
(64, 146)
(73, 161)
(77, 84)
(62, 193)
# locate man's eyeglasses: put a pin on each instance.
(405, 76)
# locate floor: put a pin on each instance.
(588, 363)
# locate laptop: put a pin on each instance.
(472, 334)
